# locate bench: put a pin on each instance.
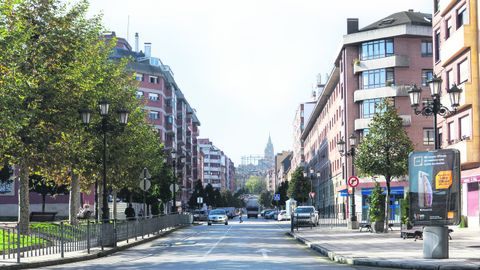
(42, 216)
(417, 233)
(366, 226)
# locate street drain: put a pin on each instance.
(175, 244)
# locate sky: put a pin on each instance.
(245, 66)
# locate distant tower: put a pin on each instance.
(269, 154)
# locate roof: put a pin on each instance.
(400, 18)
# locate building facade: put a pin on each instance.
(374, 62)
(216, 168)
(455, 58)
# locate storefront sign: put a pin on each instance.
(435, 187)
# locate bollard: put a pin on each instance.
(18, 243)
(62, 242)
(291, 222)
(88, 236)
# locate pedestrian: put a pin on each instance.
(130, 212)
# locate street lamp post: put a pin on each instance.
(434, 107)
(435, 237)
(85, 115)
(353, 223)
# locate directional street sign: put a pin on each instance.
(176, 188)
(145, 174)
(276, 197)
(145, 184)
(353, 181)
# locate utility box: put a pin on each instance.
(290, 206)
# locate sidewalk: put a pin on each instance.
(389, 250)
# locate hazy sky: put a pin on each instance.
(245, 65)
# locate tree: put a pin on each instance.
(45, 187)
(209, 195)
(376, 211)
(282, 190)
(198, 191)
(266, 199)
(385, 149)
(255, 185)
(299, 186)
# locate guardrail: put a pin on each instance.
(58, 238)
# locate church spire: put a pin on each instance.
(269, 153)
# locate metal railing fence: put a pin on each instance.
(58, 238)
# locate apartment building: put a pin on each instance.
(168, 110)
(373, 62)
(216, 168)
(455, 55)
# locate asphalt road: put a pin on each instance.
(253, 244)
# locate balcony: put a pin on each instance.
(384, 62)
(362, 123)
(381, 92)
(453, 46)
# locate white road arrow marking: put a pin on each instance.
(264, 252)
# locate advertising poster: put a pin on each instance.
(434, 178)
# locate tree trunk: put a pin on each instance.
(74, 200)
(23, 199)
(44, 198)
(387, 202)
(114, 203)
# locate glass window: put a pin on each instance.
(153, 79)
(139, 94)
(139, 77)
(465, 127)
(437, 45)
(368, 107)
(153, 96)
(451, 132)
(448, 29)
(463, 71)
(436, 5)
(153, 115)
(427, 48)
(376, 49)
(450, 78)
(427, 75)
(428, 136)
(377, 78)
(462, 17)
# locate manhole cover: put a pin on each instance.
(175, 243)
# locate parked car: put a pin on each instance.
(305, 215)
(264, 211)
(271, 214)
(200, 215)
(217, 216)
(282, 215)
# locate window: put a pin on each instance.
(139, 94)
(437, 45)
(377, 78)
(448, 29)
(153, 79)
(427, 48)
(462, 17)
(450, 78)
(427, 75)
(368, 107)
(436, 6)
(451, 132)
(153, 115)
(428, 136)
(463, 71)
(376, 49)
(139, 77)
(465, 127)
(153, 96)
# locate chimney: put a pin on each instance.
(136, 42)
(148, 49)
(352, 25)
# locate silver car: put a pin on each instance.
(217, 216)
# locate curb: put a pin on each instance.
(87, 257)
(333, 256)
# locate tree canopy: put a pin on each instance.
(255, 185)
(299, 186)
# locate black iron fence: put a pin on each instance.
(58, 238)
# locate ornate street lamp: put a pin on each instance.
(85, 115)
(341, 149)
(434, 106)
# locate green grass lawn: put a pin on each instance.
(53, 229)
(9, 240)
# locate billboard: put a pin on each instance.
(434, 178)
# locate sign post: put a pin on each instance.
(145, 185)
(435, 197)
(276, 198)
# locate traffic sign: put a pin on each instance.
(276, 197)
(176, 188)
(311, 194)
(145, 184)
(145, 174)
(199, 200)
(353, 181)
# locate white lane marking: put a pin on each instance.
(264, 252)
(219, 240)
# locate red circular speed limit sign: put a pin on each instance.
(353, 181)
